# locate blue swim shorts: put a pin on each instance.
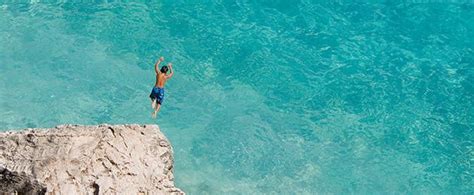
(158, 94)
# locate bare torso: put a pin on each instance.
(160, 80)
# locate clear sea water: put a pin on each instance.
(269, 97)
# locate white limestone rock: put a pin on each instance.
(72, 159)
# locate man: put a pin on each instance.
(158, 92)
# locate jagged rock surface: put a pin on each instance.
(71, 159)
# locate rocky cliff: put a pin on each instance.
(71, 159)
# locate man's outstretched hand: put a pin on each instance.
(171, 71)
(162, 59)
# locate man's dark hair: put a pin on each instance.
(164, 69)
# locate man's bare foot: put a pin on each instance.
(153, 114)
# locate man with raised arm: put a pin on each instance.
(158, 92)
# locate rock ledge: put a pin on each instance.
(73, 159)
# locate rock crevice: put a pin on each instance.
(73, 159)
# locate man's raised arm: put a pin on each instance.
(157, 69)
(171, 71)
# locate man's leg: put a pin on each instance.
(153, 106)
(157, 109)
(153, 103)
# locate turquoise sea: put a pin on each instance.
(269, 97)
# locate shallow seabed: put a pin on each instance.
(278, 97)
